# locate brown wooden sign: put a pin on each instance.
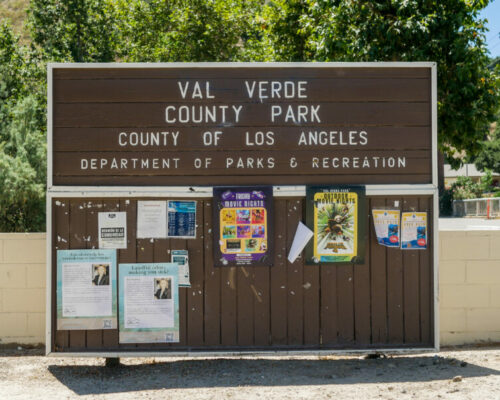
(240, 125)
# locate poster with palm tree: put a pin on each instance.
(334, 216)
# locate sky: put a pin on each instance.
(492, 14)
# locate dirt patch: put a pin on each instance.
(457, 374)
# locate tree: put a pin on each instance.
(489, 157)
(184, 30)
(445, 31)
(74, 30)
(22, 170)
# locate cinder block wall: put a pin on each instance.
(469, 287)
(22, 288)
(469, 282)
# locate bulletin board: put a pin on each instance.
(119, 134)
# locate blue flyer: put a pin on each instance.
(181, 219)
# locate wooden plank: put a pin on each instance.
(114, 180)
(130, 139)
(231, 90)
(60, 241)
(328, 313)
(195, 294)
(256, 161)
(245, 312)
(77, 231)
(94, 337)
(180, 244)
(362, 295)
(228, 306)
(212, 306)
(289, 72)
(411, 287)
(295, 298)
(345, 302)
(425, 276)
(255, 114)
(261, 305)
(311, 295)
(278, 286)
(378, 280)
(395, 305)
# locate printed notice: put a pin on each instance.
(181, 258)
(149, 306)
(386, 224)
(339, 232)
(182, 219)
(151, 219)
(242, 231)
(414, 230)
(86, 289)
(112, 230)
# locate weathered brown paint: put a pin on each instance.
(290, 305)
(92, 106)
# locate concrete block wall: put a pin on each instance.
(22, 288)
(469, 287)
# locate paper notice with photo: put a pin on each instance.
(302, 236)
(151, 219)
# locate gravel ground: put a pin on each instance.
(451, 374)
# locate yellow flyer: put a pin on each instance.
(335, 226)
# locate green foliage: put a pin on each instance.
(189, 30)
(74, 30)
(445, 31)
(465, 188)
(22, 170)
(489, 157)
(446, 203)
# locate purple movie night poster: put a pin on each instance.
(243, 218)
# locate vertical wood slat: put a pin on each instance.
(278, 285)
(378, 281)
(125, 256)
(311, 292)
(195, 294)
(180, 244)
(425, 273)
(77, 229)
(295, 306)
(245, 313)
(60, 241)
(271, 321)
(212, 314)
(362, 296)
(395, 306)
(161, 250)
(411, 287)
(94, 337)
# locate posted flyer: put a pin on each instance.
(334, 213)
(86, 289)
(386, 224)
(414, 231)
(112, 230)
(243, 231)
(181, 258)
(181, 219)
(149, 303)
(151, 219)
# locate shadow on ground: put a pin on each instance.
(85, 380)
